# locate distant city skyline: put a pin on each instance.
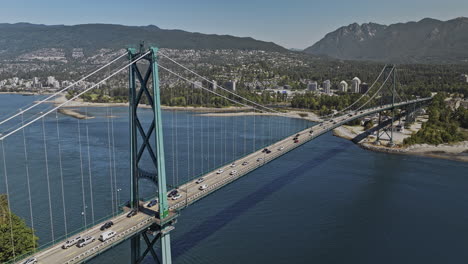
(295, 24)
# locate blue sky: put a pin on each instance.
(290, 23)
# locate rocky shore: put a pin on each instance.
(457, 151)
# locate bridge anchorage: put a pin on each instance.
(146, 84)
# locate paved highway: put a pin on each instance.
(190, 192)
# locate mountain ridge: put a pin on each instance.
(425, 41)
(21, 38)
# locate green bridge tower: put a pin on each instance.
(144, 83)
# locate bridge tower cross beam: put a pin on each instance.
(146, 84)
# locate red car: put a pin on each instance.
(296, 141)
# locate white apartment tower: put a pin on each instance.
(355, 85)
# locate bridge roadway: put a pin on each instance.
(190, 193)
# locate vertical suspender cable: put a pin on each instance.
(113, 161)
(176, 152)
(254, 147)
(61, 175)
(110, 160)
(48, 181)
(193, 137)
(26, 161)
(83, 213)
(202, 134)
(225, 139)
(8, 200)
(89, 172)
(245, 135)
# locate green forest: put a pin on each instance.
(24, 240)
(444, 124)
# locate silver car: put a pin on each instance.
(85, 241)
(71, 242)
(32, 260)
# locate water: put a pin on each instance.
(326, 202)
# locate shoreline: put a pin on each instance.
(457, 151)
(205, 111)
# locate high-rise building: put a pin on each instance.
(231, 85)
(355, 85)
(312, 86)
(50, 80)
(326, 87)
(363, 88)
(343, 86)
(464, 78)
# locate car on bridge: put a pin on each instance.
(71, 242)
(106, 225)
(268, 152)
(233, 172)
(264, 150)
(152, 203)
(219, 171)
(244, 163)
(177, 196)
(172, 193)
(203, 187)
(32, 260)
(259, 159)
(200, 180)
(133, 212)
(296, 141)
(233, 165)
(85, 241)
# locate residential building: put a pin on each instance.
(363, 88)
(326, 87)
(356, 83)
(312, 86)
(343, 87)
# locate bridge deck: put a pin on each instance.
(190, 193)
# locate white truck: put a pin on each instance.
(106, 235)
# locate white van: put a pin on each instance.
(106, 235)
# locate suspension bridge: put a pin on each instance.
(148, 226)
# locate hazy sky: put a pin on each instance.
(290, 23)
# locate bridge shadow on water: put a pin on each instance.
(210, 226)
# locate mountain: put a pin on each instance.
(425, 41)
(20, 38)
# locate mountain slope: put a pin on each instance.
(428, 40)
(16, 39)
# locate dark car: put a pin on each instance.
(264, 150)
(106, 225)
(172, 193)
(152, 203)
(268, 152)
(298, 135)
(132, 213)
(295, 138)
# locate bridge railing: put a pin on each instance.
(63, 238)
